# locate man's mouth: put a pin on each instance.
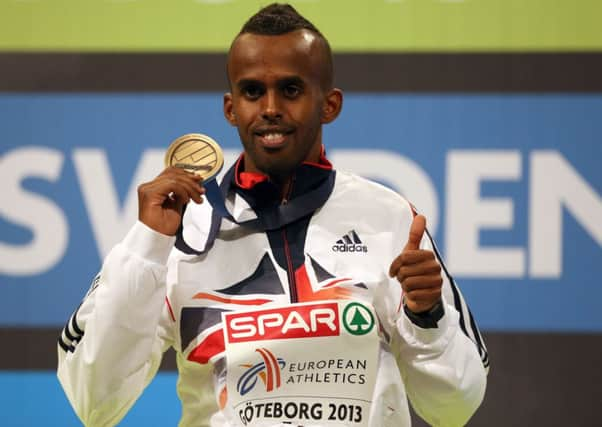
(272, 138)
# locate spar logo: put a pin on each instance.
(269, 371)
(357, 319)
(297, 321)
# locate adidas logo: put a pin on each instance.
(350, 242)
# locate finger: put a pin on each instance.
(429, 267)
(423, 296)
(194, 190)
(433, 281)
(422, 300)
(195, 183)
(179, 195)
(416, 231)
(166, 184)
(409, 257)
(175, 171)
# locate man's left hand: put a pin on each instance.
(418, 271)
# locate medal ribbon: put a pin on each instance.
(270, 218)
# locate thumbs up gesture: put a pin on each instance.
(418, 271)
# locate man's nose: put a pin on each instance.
(272, 109)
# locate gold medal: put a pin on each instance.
(196, 153)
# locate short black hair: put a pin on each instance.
(277, 19)
(281, 18)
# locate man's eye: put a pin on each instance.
(252, 92)
(292, 91)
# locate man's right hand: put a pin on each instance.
(161, 201)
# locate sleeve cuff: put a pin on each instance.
(438, 334)
(148, 243)
(428, 319)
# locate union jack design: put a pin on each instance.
(203, 325)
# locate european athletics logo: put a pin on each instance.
(269, 371)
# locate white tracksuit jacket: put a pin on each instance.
(299, 353)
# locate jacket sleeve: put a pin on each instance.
(112, 345)
(443, 365)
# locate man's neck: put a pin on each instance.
(284, 183)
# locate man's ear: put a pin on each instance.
(333, 103)
(229, 110)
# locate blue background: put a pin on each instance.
(423, 128)
(36, 399)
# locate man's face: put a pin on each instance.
(280, 98)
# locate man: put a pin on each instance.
(318, 301)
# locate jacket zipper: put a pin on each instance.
(292, 283)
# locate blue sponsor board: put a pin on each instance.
(511, 185)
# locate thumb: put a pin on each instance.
(416, 231)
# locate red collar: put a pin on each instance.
(247, 180)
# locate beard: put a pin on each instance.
(279, 164)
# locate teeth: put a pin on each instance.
(272, 136)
